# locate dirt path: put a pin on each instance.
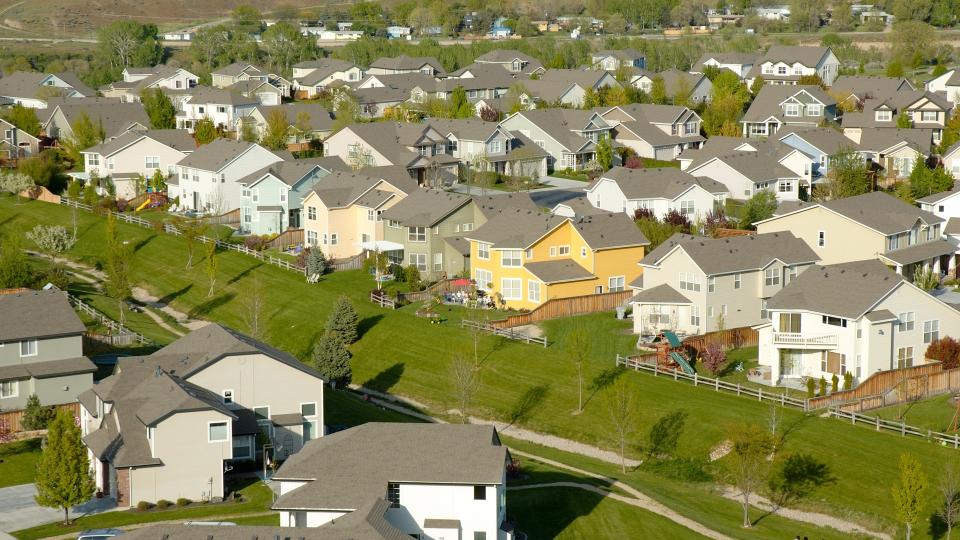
(144, 296)
(228, 517)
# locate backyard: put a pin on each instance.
(18, 461)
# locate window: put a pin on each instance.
(184, 175)
(217, 432)
(221, 109)
(764, 312)
(479, 493)
(533, 291)
(467, 227)
(553, 251)
(814, 110)
(510, 288)
(510, 257)
(687, 208)
(438, 262)
(711, 284)
(228, 396)
(312, 213)
(905, 323)
(417, 234)
(767, 69)
(255, 194)
(905, 357)
(484, 279)
(694, 315)
(689, 282)
(312, 238)
(615, 283)
(798, 70)
(393, 224)
(323, 239)
(709, 312)
(789, 274)
(690, 128)
(151, 162)
(883, 116)
(771, 276)
(418, 260)
(283, 195)
(834, 321)
(931, 331)
(785, 186)
(928, 116)
(371, 215)
(333, 239)
(8, 389)
(200, 109)
(483, 251)
(893, 242)
(528, 254)
(479, 535)
(308, 409)
(93, 159)
(496, 146)
(781, 70)
(737, 280)
(28, 348)
(241, 448)
(791, 109)
(564, 250)
(821, 238)
(393, 494)
(790, 323)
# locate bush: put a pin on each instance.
(848, 381)
(676, 219)
(256, 243)
(144, 506)
(183, 502)
(643, 213)
(823, 386)
(714, 358)
(946, 350)
(811, 388)
(163, 503)
(411, 275)
(35, 415)
(634, 162)
(74, 189)
(835, 383)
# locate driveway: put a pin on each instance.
(18, 510)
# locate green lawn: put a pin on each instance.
(935, 414)
(526, 384)
(18, 462)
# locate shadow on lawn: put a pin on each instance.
(543, 513)
(366, 324)
(171, 296)
(142, 243)
(243, 274)
(386, 379)
(528, 403)
(603, 380)
(207, 307)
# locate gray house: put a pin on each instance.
(41, 350)
(787, 105)
(569, 136)
(271, 198)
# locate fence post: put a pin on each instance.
(716, 384)
(760, 394)
(674, 374)
(738, 389)
(694, 378)
(903, 429)
(655, 369)
(956, 440)
(783, 397)
(878, 422)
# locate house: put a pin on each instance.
(420, 149)
(739, 63)
(608, 60)
(854, 90)
(271, 198)
(138, 153)
(858, 317)
(34, 90)
(427, 229)
(818, 143)
(792, 105)
(406, 64)
(427, 480)
(773, 13)
(41, 349)
(947, 85)
(693, 285)
(785, 64)
(479, 81)
(167, 425)
(569, 136)
(223, 107)
(895, 150)
(512, 60)
(239, 72)
(343, 211)
(870, 226)
(747, 172)
(919, 108)
(208, 178)
(312, 76)
(16, 143)
(266, 93)
(655, 131)
(680, 86)
(171, 80)
(658, 190)
(110, 115)
(500, 32)
(944, 205)
(569, 86)
(951, 160)
(307, 121)
(524, 258)
(398, 32)
(489, 146)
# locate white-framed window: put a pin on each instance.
(151, 162)
(221, 109)
(218, 432)
(905, 357)
(687, 208)
(371, 215)
(467, 227)
(483, 251)
(510, 258)
(241, 448)
(93, 159)
(417, 234)
(308, 410)
(781, 70)
(905, 321)
(484, 279)
(438, 262)
(711, 284)
(737, 280)
(767, 69)
(689, 282)
(228, 396)
(393, 224)
(28, 348)
(928, 116)
(764, 312)
(311, 238)
(312, 213)
(533, 291)
(496, 146)
(255, 194)
(821, 238)
(694, 315)
(883, 116)
(814, 109)
(791, 109)
(283, 194)
(9, 389)
(333, 239)
(789, 274)
(323, 239)
(833, 321)
(418, 261)
(245, 192)
(785, 186)
(528, 254)
(771, 276)
(511, 288)
(931, 331)
(583, 252)
(247, 214)
(709, 312)
(564, 250)
(553, 251)
(615, 283)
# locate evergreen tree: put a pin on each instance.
(926, 181)
(14, 269)
(316, 262)
(658, 90)
(460, 107)
(904, 121)
(63, 472)
(275, 136)
(332, 360)
(159, 108)
(35, 415)
(342, 322)
(204, 132)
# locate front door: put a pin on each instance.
(791, 363)
(196, 201)
(105, 477)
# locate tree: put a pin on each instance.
(714, 358)
(925, 181)
(204, 132)
(275, 135)
(951, 133)
(756, 86)
(750, 448)
(460, 107)
(86, 133)
(841, 18)
(578, 349)
(51, 239)
(665, 434)
(44, 169)
(247, 18)
(332, 360)
(908, 492)
(847, 177)
(159, 108)
(913, 42)
(63, 472)
(117, 268)
(125, 43)
(420, 18)
(24, 118)
(759, 207)
(615, 24)
(343, 321)
(209, 44)
(253, 308)
(658, 90)
(35, 415)
(14, 268)
(16, 183)
(894, 69)
(622, 410)
(946, 350)
(284, 45)
(904, 121)
(316, 262)
(190, 230)
(805, 15)
(489, 114)
(604, 153)
(211, 266)
(949, 488)
(911, 10)
(303, 125)
(466, 382)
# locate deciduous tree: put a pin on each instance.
(578, 349)
(275, 135)
(204, 132)
(622, 410)
(908, 492)
(749, 466)
(210, 267)
(63, 472)
(117, 266)
(24, 118)
(159, 108)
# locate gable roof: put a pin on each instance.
(425, 207)
(869, 85)
(846, 290)
(882, 139)
(288, 172)
(827, 140)
(665, 183)
(37, 314)
(737, 253)
(321, 69)
(520, 228)
(768, 100)
(755, 166)
(558, 123)
(321, 119)
(237, 68)
(114, 116)
(26, 84)
(726, 58)
(177, 139)
(404, 62)
(341, 189)
(806, 55)
(876, 210)
(216, 155)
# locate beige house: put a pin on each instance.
(168, 425)
(343, 211)
(138, 153)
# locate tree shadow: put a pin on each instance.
(528, 402)
(243, 274)
(794, 479)
(142, 243)
(207, 307)
(791, 427)
(549, 512)
(386, 379)
(366, 324)
(306, 353)
(603, 380)
(938, 527)
(173, 295)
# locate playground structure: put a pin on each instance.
(152, 200)
(671, 353)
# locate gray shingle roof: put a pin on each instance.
(321, 119)
(726, 58)
(425, 207)
(768, 100)
(340, 189)
(844, 290)
(953, 227)
(920, 252)
(558, 271)
(558, 123)
(351, 468)
(178, 139)
(881, 212)
(520, 228)
(37, 314)
(44, 370)
(26, 84)
(806, 55)
(114, 116)
(868, 85)
(404, 62)
(881, 139)
(216, 155)
(829, 141)
(667, 182)
(236, 68)
(661, 294)
(289, 172)
(735, 254)
(937, 197)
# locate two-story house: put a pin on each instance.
(780, 169)
(41, 349)
(16, 143)
(110, 115)
(427, 480)
(489, 146)
(655, 131)
(945, 205)
(207, 179)
(947, 85)
(895, 150)
(343, 211)
(271, 198)
(306, 121)
(569, 136)
(171, 80)
(738, 63)
(786, 64)
(870, 226)
(569, 87)
(693, 285)
(240, 72)
(406, 64)
(512, 60)
(679, 86)
(819, 143)
(524, 258)
(608, 60)
(658, 190)
(852, 91)
(778, 106)
(34, 90)
(918, 108)
(857, 317)
(222, 106)
(312, 76)
(138, 153)
(167, 425)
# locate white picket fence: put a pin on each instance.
(121, 334)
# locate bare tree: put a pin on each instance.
(191, 230)
(211, 267)
(949, 487)
(253, 308)
(466, 379)
(578, 348)
(622, 411)
(359, 157)
(750, 470)
(774, 418)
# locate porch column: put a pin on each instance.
(773, 354)
(952, 266)
(936, 265)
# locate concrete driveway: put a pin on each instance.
(18, 510)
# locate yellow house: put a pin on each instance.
(342, 211)
(525, 257)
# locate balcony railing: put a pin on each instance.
(801, 340)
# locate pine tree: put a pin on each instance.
(36, 415)
(332, 360)
(63, 472)
(342, 322)
(204, 132)
(316, 262)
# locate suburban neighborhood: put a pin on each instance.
(493, 272)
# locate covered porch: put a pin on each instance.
(938, 257)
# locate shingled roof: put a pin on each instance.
(37, 314)
(846, 290)
(735, 254)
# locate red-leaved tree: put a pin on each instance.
(946, 350)
(714, 358)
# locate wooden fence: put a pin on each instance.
(10, 420)
(566, 307)
(121, 334)
(382, 299)
(289, 237)
(350, 263)
(41, 193)
(732, 338)
(925, 380)
(508, 333)
(950, 440)
(443, 286)
(229, 218)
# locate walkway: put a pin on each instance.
(19, 510)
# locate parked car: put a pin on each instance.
(99, 534)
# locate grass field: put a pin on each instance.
(18, 462)
(936, 414)
(525, 384)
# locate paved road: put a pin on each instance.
(18, 510)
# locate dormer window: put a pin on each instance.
(798, 70)
(791, 109)
(814, 109)
(767, 69)
(883, 116)
(781, 70)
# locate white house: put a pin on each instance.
(947, 84)
(655, 131)
(34, 90)
(658, 190)
(138, 153)
(746, 173)
(785, 64)
(437, 480)
(223, 107)
(739, 63)
(944, 205)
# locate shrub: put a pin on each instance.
(183, 502)
(143, 506)
(716, 219)
(946, 350)
(643, 213)
(675, 218)
(411, 275)
(714, 358)
(823, 386)
(74, 188)
(835, 383)
(634, 162)
(256, 243)
(848, 381)
(811, 388)
(35, 415)
(163, 503)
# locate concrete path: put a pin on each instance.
(18, 509)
